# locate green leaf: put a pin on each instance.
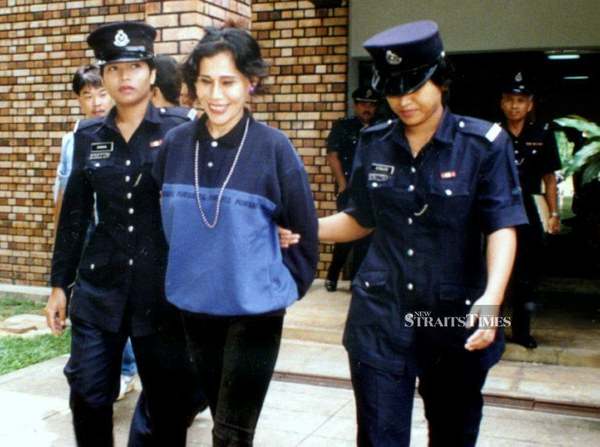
(582, 157)
(590, 129)
(592, 171)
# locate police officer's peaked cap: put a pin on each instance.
(517, 83)
(122, 41)
(405, 57)
(365, 94)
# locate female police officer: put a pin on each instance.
(432, 187)
(118, 278)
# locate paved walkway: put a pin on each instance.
(34, 412)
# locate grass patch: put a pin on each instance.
(17, 352)
(12, 306)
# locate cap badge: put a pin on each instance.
(368, 93)
(519, 77)
(392, 58)
(121, 39)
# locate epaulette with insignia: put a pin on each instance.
(481, 128)
(177, 112)
(382, 125)
(89, 122)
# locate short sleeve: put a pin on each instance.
(360, 206)
(499, 197)
(335, 137)
(551, 157)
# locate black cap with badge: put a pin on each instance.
(365, 94)
(122, 42)
(518, 84)
(405, 57)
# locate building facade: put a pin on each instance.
(42, 43)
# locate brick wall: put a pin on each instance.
(41, 44)
(307, 50)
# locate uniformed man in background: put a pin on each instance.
(537, 160)
(341, 145)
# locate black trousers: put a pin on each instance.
(234, 358)
(93, 373)
(526, 272)
(450, 386)
(341, 251)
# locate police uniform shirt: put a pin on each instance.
(343, 139)
(536, 154)
(430, 216)
(121, 269)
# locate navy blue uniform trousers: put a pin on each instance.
(93, 373)
(450, 385)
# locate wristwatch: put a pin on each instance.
(554, 214)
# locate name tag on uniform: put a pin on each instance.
(155, 143)
(380, 168)
(101, 150)
(448, 174)
(375, 177)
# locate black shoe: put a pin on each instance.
(526, 341)
(330, 286)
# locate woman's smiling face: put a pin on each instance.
(222, 92)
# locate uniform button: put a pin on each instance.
(127, 179)
(448, 192)
(92, 266)
(413, 169)
(461, 124)
(367, 284)
(128, 163)
(130, 228)
(534, 151)
(411, 187)
(410, 252)
(214, 144)
(131, 211)
(131, 262)
(468, 302)
(516, 152)
(129, 196)
(97, 165)
(410, 221)
(210, 164)
(390, 121)
(410, 286)
(162, 110)
(374, 184)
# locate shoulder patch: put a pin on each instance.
(493, 132)
(383, 125)
(478, 127)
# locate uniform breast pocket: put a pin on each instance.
(97, 269)
(99, 168)
(448, 203)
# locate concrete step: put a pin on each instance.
(537, 384)
(567, 327)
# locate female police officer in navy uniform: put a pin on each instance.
(118, 275)
(433, 187)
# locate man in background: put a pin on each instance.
(341, 146)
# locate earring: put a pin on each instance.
(251, 89)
